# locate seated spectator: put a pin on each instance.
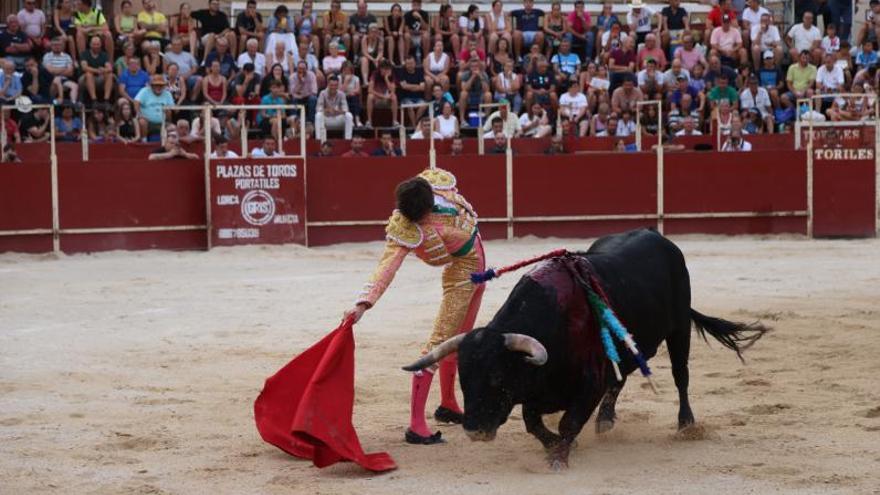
(89, 23)
(412, 88)
(651, 81)
(10, 83)
(127, 128)
(336, 28)
(222, 55)
(607, 17)
(350, 84)
(446, 122)
(726, 42)
(62, 70)
(186, 28)
(149, 104)
(36, 82)
(535, 122)
(269, 150)
(246, 86)
(573, 110)
(716, 16)
(736, 143)
(509, 120)
(670, 77)
(187, 65)
(765, 38)
(649, 120)
(425, 129)
(531, 59)
(214, 27)
(332, 63)
(100, 125)
(527, 27)
(757, 98)
(279, 57)
(470, 51)
(304, 89)
(689, 54)
(33, 23)
(272, 120)
(386, 147)
(801, 77)
(674, 23)
(771, 78)
(382, 93)
(688, 128)
(626, 96)
(126, 25)
(753, 123)
(499, 144)
(610, 129)
(14, 43)
(867, 57)
(34, 127)
(651, 51)
(456, 148)
(357, 149)
(249, 26)
(751, 16)
(152, 59)
(214, 85)
(68, 127)
(326, 149)
(640, 19)
(438, 97)
(153, 23)
(332, 111)
(10, 127)
(831, 42)
(716, 68)
(580, 30)
(276, 73)
(177, 87)
(132, 80)
(626, 125)
(508, 86)
(804, 37)
(611, 40)
(394, 33)
(621, 146)
(251, 55)
(723, 91)
(785, 114)
(359, 27)
(307, 27)
(471, 27)
(492, 126)
(687, 107)
(556, 146)
(96, 71)
(372, 51)
(541, 86)
(221, 148)
(172, 150)
(622, 63)
(446, 30)
(829, 78)
(565, 63)
(722, 119)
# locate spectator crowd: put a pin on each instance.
(741, 72)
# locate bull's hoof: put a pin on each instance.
(446, 415)
(416, 439)
(685, 423)
(604, 426)
(558, 465)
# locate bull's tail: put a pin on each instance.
(735, 336)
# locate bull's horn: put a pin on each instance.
(537, 353)
(436, 354)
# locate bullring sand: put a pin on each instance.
(136, 373)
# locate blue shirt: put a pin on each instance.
(269, 100)
(528, 21)
(866, 59)
(134, 82)
(604, 23)
(153, 105)
(567, 63)
(227, 63)
(14, 88)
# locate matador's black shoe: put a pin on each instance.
(416, 439)
(446, 415)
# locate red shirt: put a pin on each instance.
(715, 16)
(579, 25)
(466, 55)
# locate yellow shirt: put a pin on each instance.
(156, 18)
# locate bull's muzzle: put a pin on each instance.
(481, 436)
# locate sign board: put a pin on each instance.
(257, 201)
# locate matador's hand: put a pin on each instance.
(355, 313)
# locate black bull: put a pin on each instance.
(544, 321)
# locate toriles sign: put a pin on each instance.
(257, 201)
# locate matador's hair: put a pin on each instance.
(415, 198)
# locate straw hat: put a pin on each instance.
(637, 4)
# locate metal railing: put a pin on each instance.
(432, 153)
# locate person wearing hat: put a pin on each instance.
(726, 42)
(771, 78)
(716, 17)
(150, 103)
(756, 98)
(765, 37)
(641, 19)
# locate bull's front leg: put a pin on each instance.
(534, 421)
(570, 427)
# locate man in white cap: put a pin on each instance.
(640, 19)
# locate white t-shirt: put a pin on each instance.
(683, 132)
(259, 61)
(804, 38)
(753, 17)
(830, 79)
(261, 153)
(606, 36)
(743, 146)
(625, 128)
(766, 39)
(643, 23)
(831, 46)
(32, 22)
(229, 154)
(643, 77)
(573, 103)
(418, 135)
(526, 119)
(761, 100)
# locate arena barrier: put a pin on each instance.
(104, 204)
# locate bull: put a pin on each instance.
(537, 351)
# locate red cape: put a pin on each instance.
(305, 408)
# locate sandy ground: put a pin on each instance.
(136, 373)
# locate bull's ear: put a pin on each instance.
(436, 354)
(536, 353)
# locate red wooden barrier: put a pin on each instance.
(844, 203)
(25, 204)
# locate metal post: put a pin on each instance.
(302, 141)
(509, 186)
(53, 161)
(661, 167)
(243, 132)
(206, 124)
(432, 153)
(280, 127)
(639, 129)
(84, 136)
(401, 131)
(877, 167)
(3, 137)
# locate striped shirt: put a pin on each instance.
(59, 61)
